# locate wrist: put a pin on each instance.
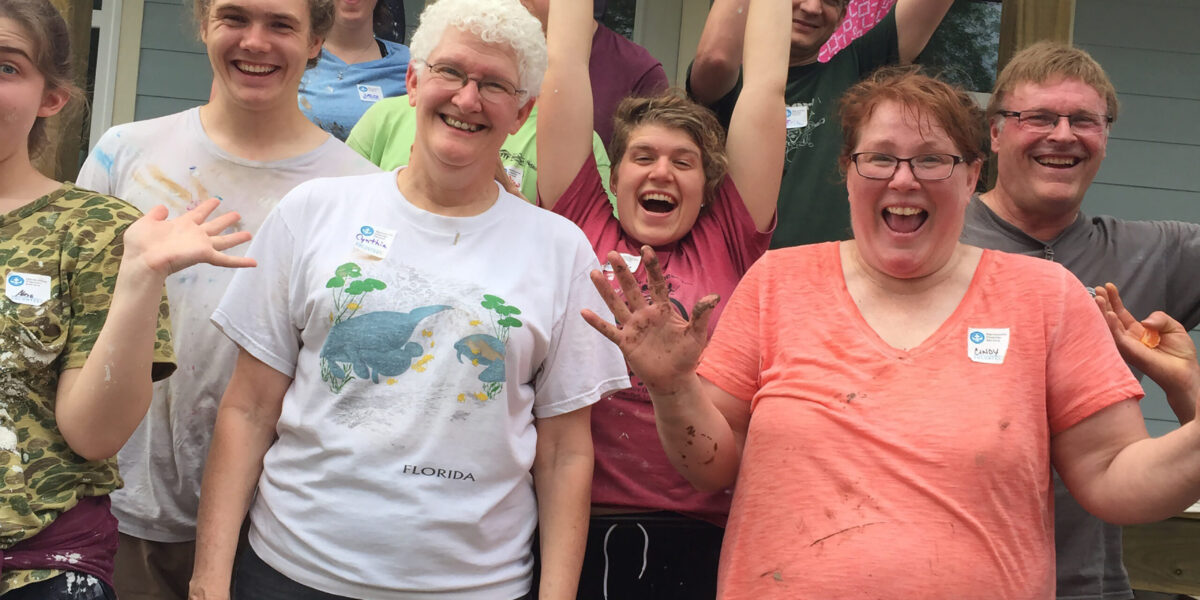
(136, 275)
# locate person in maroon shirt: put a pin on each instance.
(652, 535)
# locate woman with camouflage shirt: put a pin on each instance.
(80, 272)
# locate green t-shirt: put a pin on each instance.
(59, 257)
(812, 199)
(385, 133)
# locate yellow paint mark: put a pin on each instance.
(426, 333)
(475, 322)
(420, 366)
(480, 396)
(353, 306)
(391, 381)
(462, 397)
(331, 316)
(475, 361)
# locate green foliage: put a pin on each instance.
(966, 46)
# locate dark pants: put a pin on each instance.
(651, 556)
(254, 579)
(68, 586)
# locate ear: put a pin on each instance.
(994, 127)
(522, 115)
(53, 100)
(314, 48)
(973, 170)
(410, 83)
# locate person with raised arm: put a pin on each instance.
(83, 327)
(707, 205)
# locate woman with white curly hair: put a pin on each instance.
(412, 361)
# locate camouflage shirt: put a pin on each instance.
(59, 257)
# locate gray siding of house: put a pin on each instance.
(173, 71)
(1152, 53)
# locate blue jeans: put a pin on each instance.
(68, 586)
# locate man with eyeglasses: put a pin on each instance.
(412, 361)
(1050, 117)
(812, 200)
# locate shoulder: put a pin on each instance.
(1029, 276)
(395, 50)
(89, 221)
(1147, 235)
(340, 159)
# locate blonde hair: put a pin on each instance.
(1048, 61)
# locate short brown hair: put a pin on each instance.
(320, 17)
(673, 110)
(931, 100)
(1048, 61)
(51, 53)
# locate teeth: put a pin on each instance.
(256, 69)
(906, 211)
(1056, 160)
(659, 197)
(455, 123)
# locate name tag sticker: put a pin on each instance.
(631, 261)
(987, 345)
(370, 93)
(516, 174)
(27, 288)
(797, 116)
(374, 240)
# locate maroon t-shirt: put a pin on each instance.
(632, 470)
(619, 68)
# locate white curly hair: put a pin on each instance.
(501, 22)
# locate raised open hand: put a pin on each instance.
(1158, 346)
(658, 343)
(166, 246)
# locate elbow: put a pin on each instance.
(93, 447)
(714, 73)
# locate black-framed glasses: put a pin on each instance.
(1044, 121)
(491, 90)
(926, 167)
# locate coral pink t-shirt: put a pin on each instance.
(632, 470)
(923, 473)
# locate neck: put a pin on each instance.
(353, 41)
(261, 135)
(900, 287)
(21, 183)
(445, 190)
(1040, 226)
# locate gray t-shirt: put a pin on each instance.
(1155, 264)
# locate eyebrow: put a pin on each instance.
(676, 150)
(239, 9)
(16, 50)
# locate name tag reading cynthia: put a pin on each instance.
(375, 241)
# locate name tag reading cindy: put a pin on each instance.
(375, 241)
(988, 346)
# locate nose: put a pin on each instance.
(661, 169)
(467, 97)
(809, 6)
(255, 39)
(1062, 129)
(903, 178)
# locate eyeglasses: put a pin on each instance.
(1041, 121)
(926, 167)
(491, 90)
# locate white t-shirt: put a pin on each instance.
(170, 160)
(422, 348)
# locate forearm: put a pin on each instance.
(719, 52)
(230, 476)
(565, 119)
(698, 440)
(1150, 479)
(1184, 398)
(105, 401)
(563, 480)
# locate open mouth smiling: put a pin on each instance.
(657, 202)
(904, 219)
(255, 69)
(1057, 162)
(461, 125)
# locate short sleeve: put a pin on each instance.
(1084, 370)
(582, 366)
(96, 172)
(92, 286)
(256, 310)
(362, 136)
(733, 359)
(652, 82)
(1183, 279)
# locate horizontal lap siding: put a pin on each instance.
(1151, 51)
(173, 69)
